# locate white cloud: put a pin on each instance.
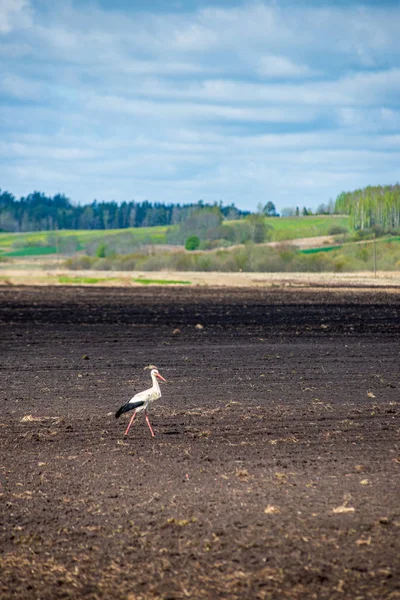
(46, 152)
(265, 99)
(20, 87)
(194, 38)
(62, 39)
(192, 111)
(376, 119)
(280, 66)
(14, 14)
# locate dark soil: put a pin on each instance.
(275, 469)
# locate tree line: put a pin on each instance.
(38, 212)
(373, 206)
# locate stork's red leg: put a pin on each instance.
(130, 423)
(148, 423)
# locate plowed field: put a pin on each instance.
(275, 470)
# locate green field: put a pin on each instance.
(349, 253)
(69, 242)
(290, 228)
(323, 249)
(54, 242)
(160, 281)
(32, 251)
(76, 280)
(65, 279)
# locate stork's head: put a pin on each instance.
(157, 374)
(154, 373)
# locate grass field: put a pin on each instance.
(53, 242)
(66, 279)
(290, 228)
(32, 251)
(316, 250)
(124, 250)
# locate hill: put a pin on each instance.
(128, 240)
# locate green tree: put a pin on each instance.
(259, 228)
(192, 242)
(373, 205)
(269, 210)
(101, 250)
(37, 212)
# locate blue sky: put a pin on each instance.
(172, 101)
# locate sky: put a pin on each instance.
(284, 101)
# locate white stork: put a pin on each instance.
(142, 400)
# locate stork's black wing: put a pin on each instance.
(127, 407)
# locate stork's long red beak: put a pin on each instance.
(161, 377)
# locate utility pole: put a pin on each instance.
(375, 255)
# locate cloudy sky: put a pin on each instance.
(240, 101)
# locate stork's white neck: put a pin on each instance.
(156, 385)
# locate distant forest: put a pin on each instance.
(38, 212)
(373, 206)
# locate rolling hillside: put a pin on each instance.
(68, 242)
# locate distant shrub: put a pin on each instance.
(207, 245)
(212, 245)
(287, 252)
(79, 262)
(103, 264)
(259, 229)
(378, 230)
(362, 253)
(157, 262)
(205, 263)
(341, 263)
(242, 232)
(227, 264)
(316, 263)
(337, 230)
(243, 258)
(260, 233)
(184, 262)
(192, 242)
(222, 232)
(101, 250)
(363, 234)
(126, 263)
(253, 257)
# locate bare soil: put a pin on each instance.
(275, 469)
(34, 272)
